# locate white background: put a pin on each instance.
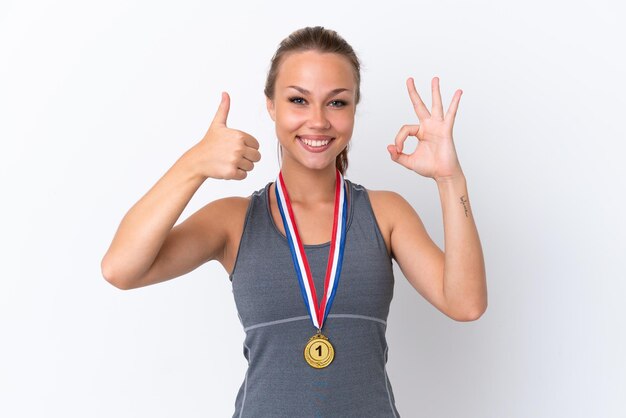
(98, 100)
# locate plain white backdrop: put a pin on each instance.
(99, 99)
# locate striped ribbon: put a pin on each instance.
(317, 313)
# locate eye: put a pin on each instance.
(296, 100)
(338, 103)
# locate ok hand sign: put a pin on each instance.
(435, 155)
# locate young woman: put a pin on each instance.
(309, 255)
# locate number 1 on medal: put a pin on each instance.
(315, 354)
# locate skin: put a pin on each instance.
(311, 108)
(147, 249)
(304, 103)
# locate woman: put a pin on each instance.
(311, 243)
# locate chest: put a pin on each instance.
(266, 287)
(315, 225)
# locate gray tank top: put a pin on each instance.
(279, 382)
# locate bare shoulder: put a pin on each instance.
(384, 198)
(392, 211)
(396, 206)
(225, 212)
(388, 203)
(231, 205)
(218, 226)
(233, 213)
(386, 206)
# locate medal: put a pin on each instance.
(318, 352)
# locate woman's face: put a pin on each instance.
(313, 107)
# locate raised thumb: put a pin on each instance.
(222, 111)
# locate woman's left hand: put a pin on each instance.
(435, 155)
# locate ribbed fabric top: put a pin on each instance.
(279, 382)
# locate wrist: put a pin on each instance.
(453, 179)
(191, 165)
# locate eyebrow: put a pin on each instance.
(305, 91)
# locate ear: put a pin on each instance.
(270, 108)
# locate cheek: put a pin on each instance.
(289, 120)
(343, 123)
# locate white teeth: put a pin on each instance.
(315, 143)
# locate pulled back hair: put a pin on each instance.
(322, 40)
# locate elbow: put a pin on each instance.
(471, 314)
(109, 274)
(469, 306)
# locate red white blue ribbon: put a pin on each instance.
(335, 257)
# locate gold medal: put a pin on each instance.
(319, 352)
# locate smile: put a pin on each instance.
(315, 143)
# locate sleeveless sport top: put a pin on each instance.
(279, 382)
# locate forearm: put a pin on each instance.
(464, 281)
(145, 226)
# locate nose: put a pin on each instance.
(318, 118)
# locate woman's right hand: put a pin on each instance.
(225, 153)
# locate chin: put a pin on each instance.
(318, 165)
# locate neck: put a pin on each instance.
(309, 186)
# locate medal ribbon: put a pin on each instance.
(317, 313)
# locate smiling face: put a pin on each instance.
(313, 107)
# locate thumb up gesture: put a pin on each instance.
(225, 153)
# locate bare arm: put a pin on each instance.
(145, 227)
(464, 277)
(145, 248)
(454, 280)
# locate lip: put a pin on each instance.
(315, 137)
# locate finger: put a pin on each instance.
(404, 133)
(240, 174)
(436, 93)
(251, 141)
(222, 111)
(398, 157)
(245, 164)
(454, 105)
(252, 154)
(420, 108)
